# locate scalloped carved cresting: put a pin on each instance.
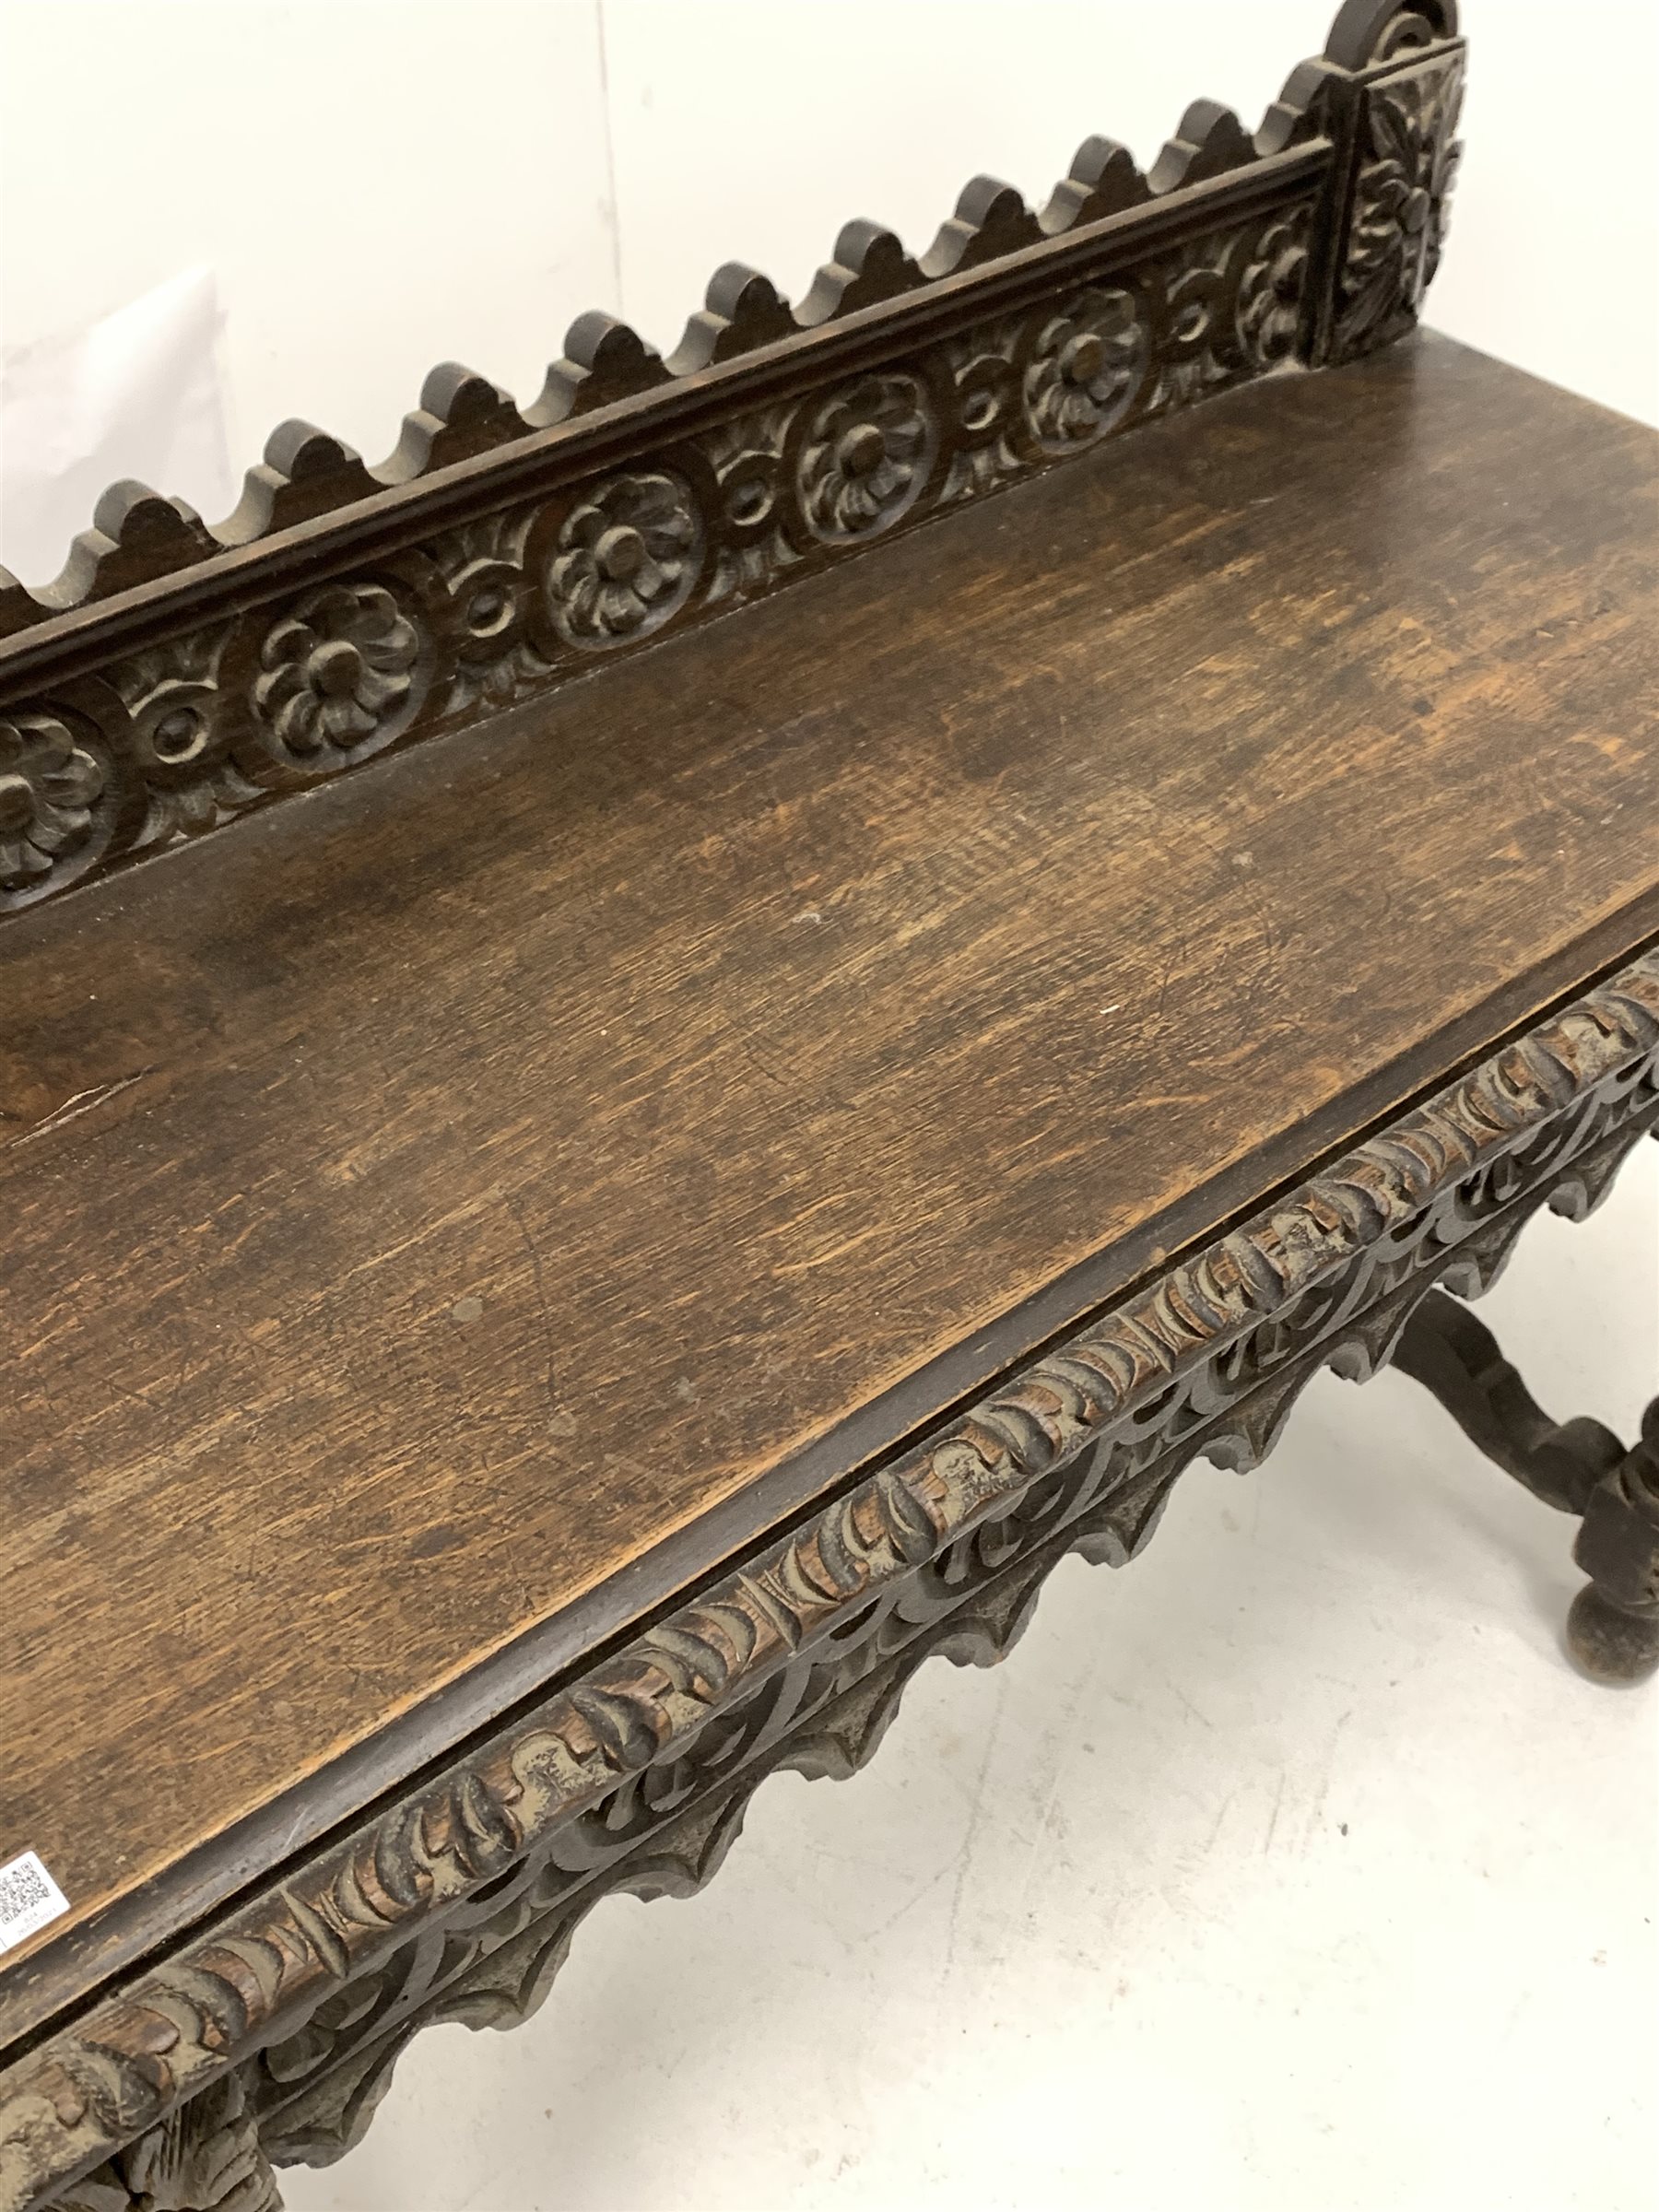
(456, 1901)
(343, 610)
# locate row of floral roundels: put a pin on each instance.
(199, 729)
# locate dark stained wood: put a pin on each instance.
(268, 2034)
(1579, 1466)
(423, 1203)
(176, 678)
(546, 1280)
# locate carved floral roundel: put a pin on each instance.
(865, 457)
(339, 675)
(625, 560)
(50, 787)
(1085, 368)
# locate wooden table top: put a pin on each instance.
(446, 1216)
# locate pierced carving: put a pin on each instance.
(866, 456)
(1207, 1358)
(666, 1830)
(339, 677)
(1402, 202)
(626, 560)
(51, 782)
(1086, 367)
(204, 2157)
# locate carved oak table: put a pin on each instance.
(542, 1282)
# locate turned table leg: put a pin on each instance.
(1578, 1467)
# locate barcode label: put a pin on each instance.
(30, 1900)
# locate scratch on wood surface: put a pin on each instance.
(82, 1101)
(552, 1384)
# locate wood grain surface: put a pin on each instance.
(423, 1205)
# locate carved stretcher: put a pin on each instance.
(901, 923)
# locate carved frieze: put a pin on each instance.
(198, 729)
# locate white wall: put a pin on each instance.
(374, 185)
(1554, 259)
(753, 129)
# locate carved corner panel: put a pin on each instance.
(176, 677)
(1409, 157)
(457, 1900)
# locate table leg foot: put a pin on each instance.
(1610, 1644)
